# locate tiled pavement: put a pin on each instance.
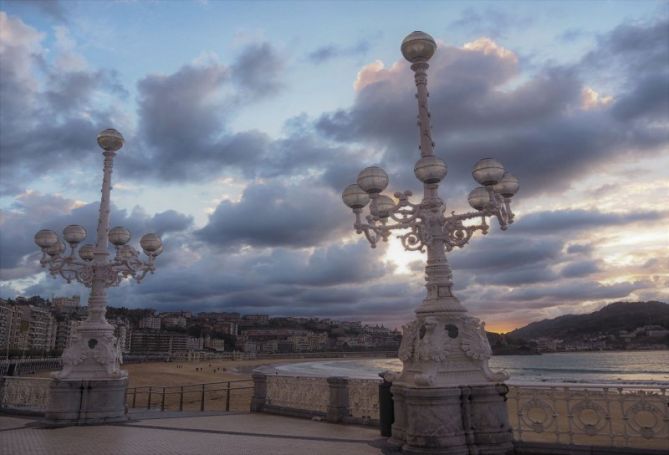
(191, 434)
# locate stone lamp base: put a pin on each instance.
(86, 401)
(452, 420)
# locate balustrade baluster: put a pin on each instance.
(612, 434)
(556, 414)
(621, 400)
(570, 416)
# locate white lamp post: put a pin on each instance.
(92, 362)
(444, 350)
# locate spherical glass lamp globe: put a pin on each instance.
(150, 243)
(373, 180)
(488, 171)
(74, 233)
(479, 198)
(119, 236)
(354, 197)
(110, 140)
(508, 186)
(46, 238)
(56, 249)
(87, 252)
(430, 169)
(381, 206)
(157, 252)
(418, 47)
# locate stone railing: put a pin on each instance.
(557, 416)
(363, 400)
(298, 393)
(594, 415)
(334, 399)
(22, 367)
(24, 394)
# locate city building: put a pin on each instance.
(146, 341)
(66, 304)
(150, 322)
(64, 330)
(215, 344)
(29, 329)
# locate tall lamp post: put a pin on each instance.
(447, 400)
(91, 386)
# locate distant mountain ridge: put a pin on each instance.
(609, 320)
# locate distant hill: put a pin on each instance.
(503, 345)
(606, 321)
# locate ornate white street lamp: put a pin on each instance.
(94, 356)
(444, 351)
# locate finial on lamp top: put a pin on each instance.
(418, 47)
(110, 140)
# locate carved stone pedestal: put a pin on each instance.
(86, 402)
(428, 421)
(93, 353)
(452, 420)
(447, 400)
(91, 387)
(485, 414)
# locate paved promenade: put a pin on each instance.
(191, 434)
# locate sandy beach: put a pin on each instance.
(186, 373)
(171, 377)
(180, 383)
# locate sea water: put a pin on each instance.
(627, 367)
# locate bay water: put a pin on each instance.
(627, 367)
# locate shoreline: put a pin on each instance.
(173, 373)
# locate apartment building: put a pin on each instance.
(150, 322)
(26, 328)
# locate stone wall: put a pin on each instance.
(571, 415)
(24, 394)
(335, 399)
(22, 367)
(297, 395)
(363, 399)
(606, 415)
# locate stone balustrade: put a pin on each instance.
(24, 394)
(335, 399)
(558, 415)
(596, 415)
(22, 367)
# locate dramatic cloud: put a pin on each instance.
(258, 71)
(278, 239)
(563, 221)
(640, 51)
(45, 125)
(182, 128)
(271, 215)
(32, 212)
(537, 128)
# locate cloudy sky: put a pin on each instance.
(244, 121)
